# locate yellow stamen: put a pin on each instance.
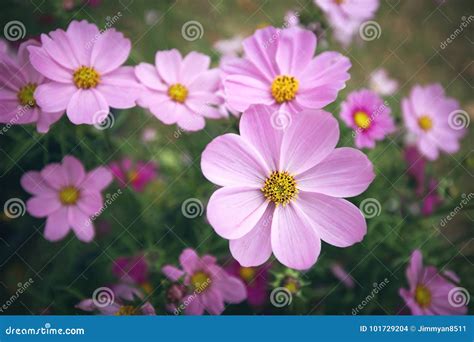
(362, 120)
(425, 122)
(200, 281)
(132, 175)
(69, 195)
(26, 95)
(127, 310)
(86, 77)
(178, 92)
(422, 296)
(280, 187)
(247, 273)
(292, 285)
(284, 88)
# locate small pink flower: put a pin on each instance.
(229, 47)
(138, 175)
(381, 83)
(18, 82)
(67, 196)
(118, 300)
(210, 285)
(278, 69)
(181, 91)
(255, 279)
(283, 188)
(86, 73)
(132, 270)
(416, 167)
(368, 115)
(340, 273)
(432, 199)
(426, 113)
(430, 293)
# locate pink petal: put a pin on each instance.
(235, 211)
(90, 202)
(336, 221)
(43, 205)
(32, 182)
(415, 268)
(230, 160)
(55, 176)
(81, 224)
(59, 48)
(232, 289)
(345, 172)
(242, 91)
(57, 225)
(294, 242)
(82, 36)
(120, 88)
(190, 261)
(87, 106)
(212, 301)
(42, 62)
(194, 307)
(53, 96)
(148, 76)
(110, 51)
(165, 111)
(328, 69)
(172, 273)
(74, 170)
(188, 120)
(168, 64)
(311, 137)
(98, 179)
(45, 120)
(295, 50)
(208, 80)
(254, 248)
(194, 64)
(261, 49)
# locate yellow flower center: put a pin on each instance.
(292, 285)
(200, 281)
(284, 88)
(26, 95)
(69, 195)
(86, 77)
(247, 273)
(178, 92)
(425, 122)
(127, 310)
(132, 175)
(338, 2)
(422, 296)
(362, 120)
(280, 187)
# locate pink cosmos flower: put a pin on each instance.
(426, 113)
(132, 270)
(118, 300)
(138, 175)
(368, 115)
(279, 70)
(178, 90)
(381, 83)
(211, 286)
(283, 188)
(229, 47)
(85, 70)
(67, 196)
(18, 82)
(430, 293)
(255, 279)
(346, 16)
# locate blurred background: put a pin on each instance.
(410, 48)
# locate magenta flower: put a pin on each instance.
(255, 280)
(369, 116)
(283, 188)
(138, 175)
(427, 114)
(181, 91)
(430, 293)
(132, 270)
(67, 196)
(118, 300)
(210, 285)
(340, 273)
(279, 70)
(18, 82)
(85, 70)
(432, 200)
(416, 167)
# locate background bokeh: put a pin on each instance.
(152, 222)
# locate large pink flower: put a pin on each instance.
(67, 196)
(429, 116)
(180, 90)
(369, 116)
(279, 70)
(283, 188)
(85, 70)
(431, 293)
(209, 284)
(18, 82)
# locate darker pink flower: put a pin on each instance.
(283, 188)
(133, 270)
(138, 175)
(209, 286)
(279, 69)
(180, 90)
(86, 73)
(369, 116)
(431, 293)
(18, 82)
(68, 196)
(255, 280)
